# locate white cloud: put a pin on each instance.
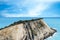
(34, 7)
(32, 12)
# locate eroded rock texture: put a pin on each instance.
(35, 29)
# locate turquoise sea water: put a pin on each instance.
(52, 22)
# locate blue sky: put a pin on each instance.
(29, 8)
(15, 10)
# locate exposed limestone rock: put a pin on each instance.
(35, 29)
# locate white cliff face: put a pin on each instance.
(30, 30)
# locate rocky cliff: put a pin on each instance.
(35, 29)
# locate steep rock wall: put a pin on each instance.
(27, 30)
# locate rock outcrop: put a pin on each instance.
(35, 29)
